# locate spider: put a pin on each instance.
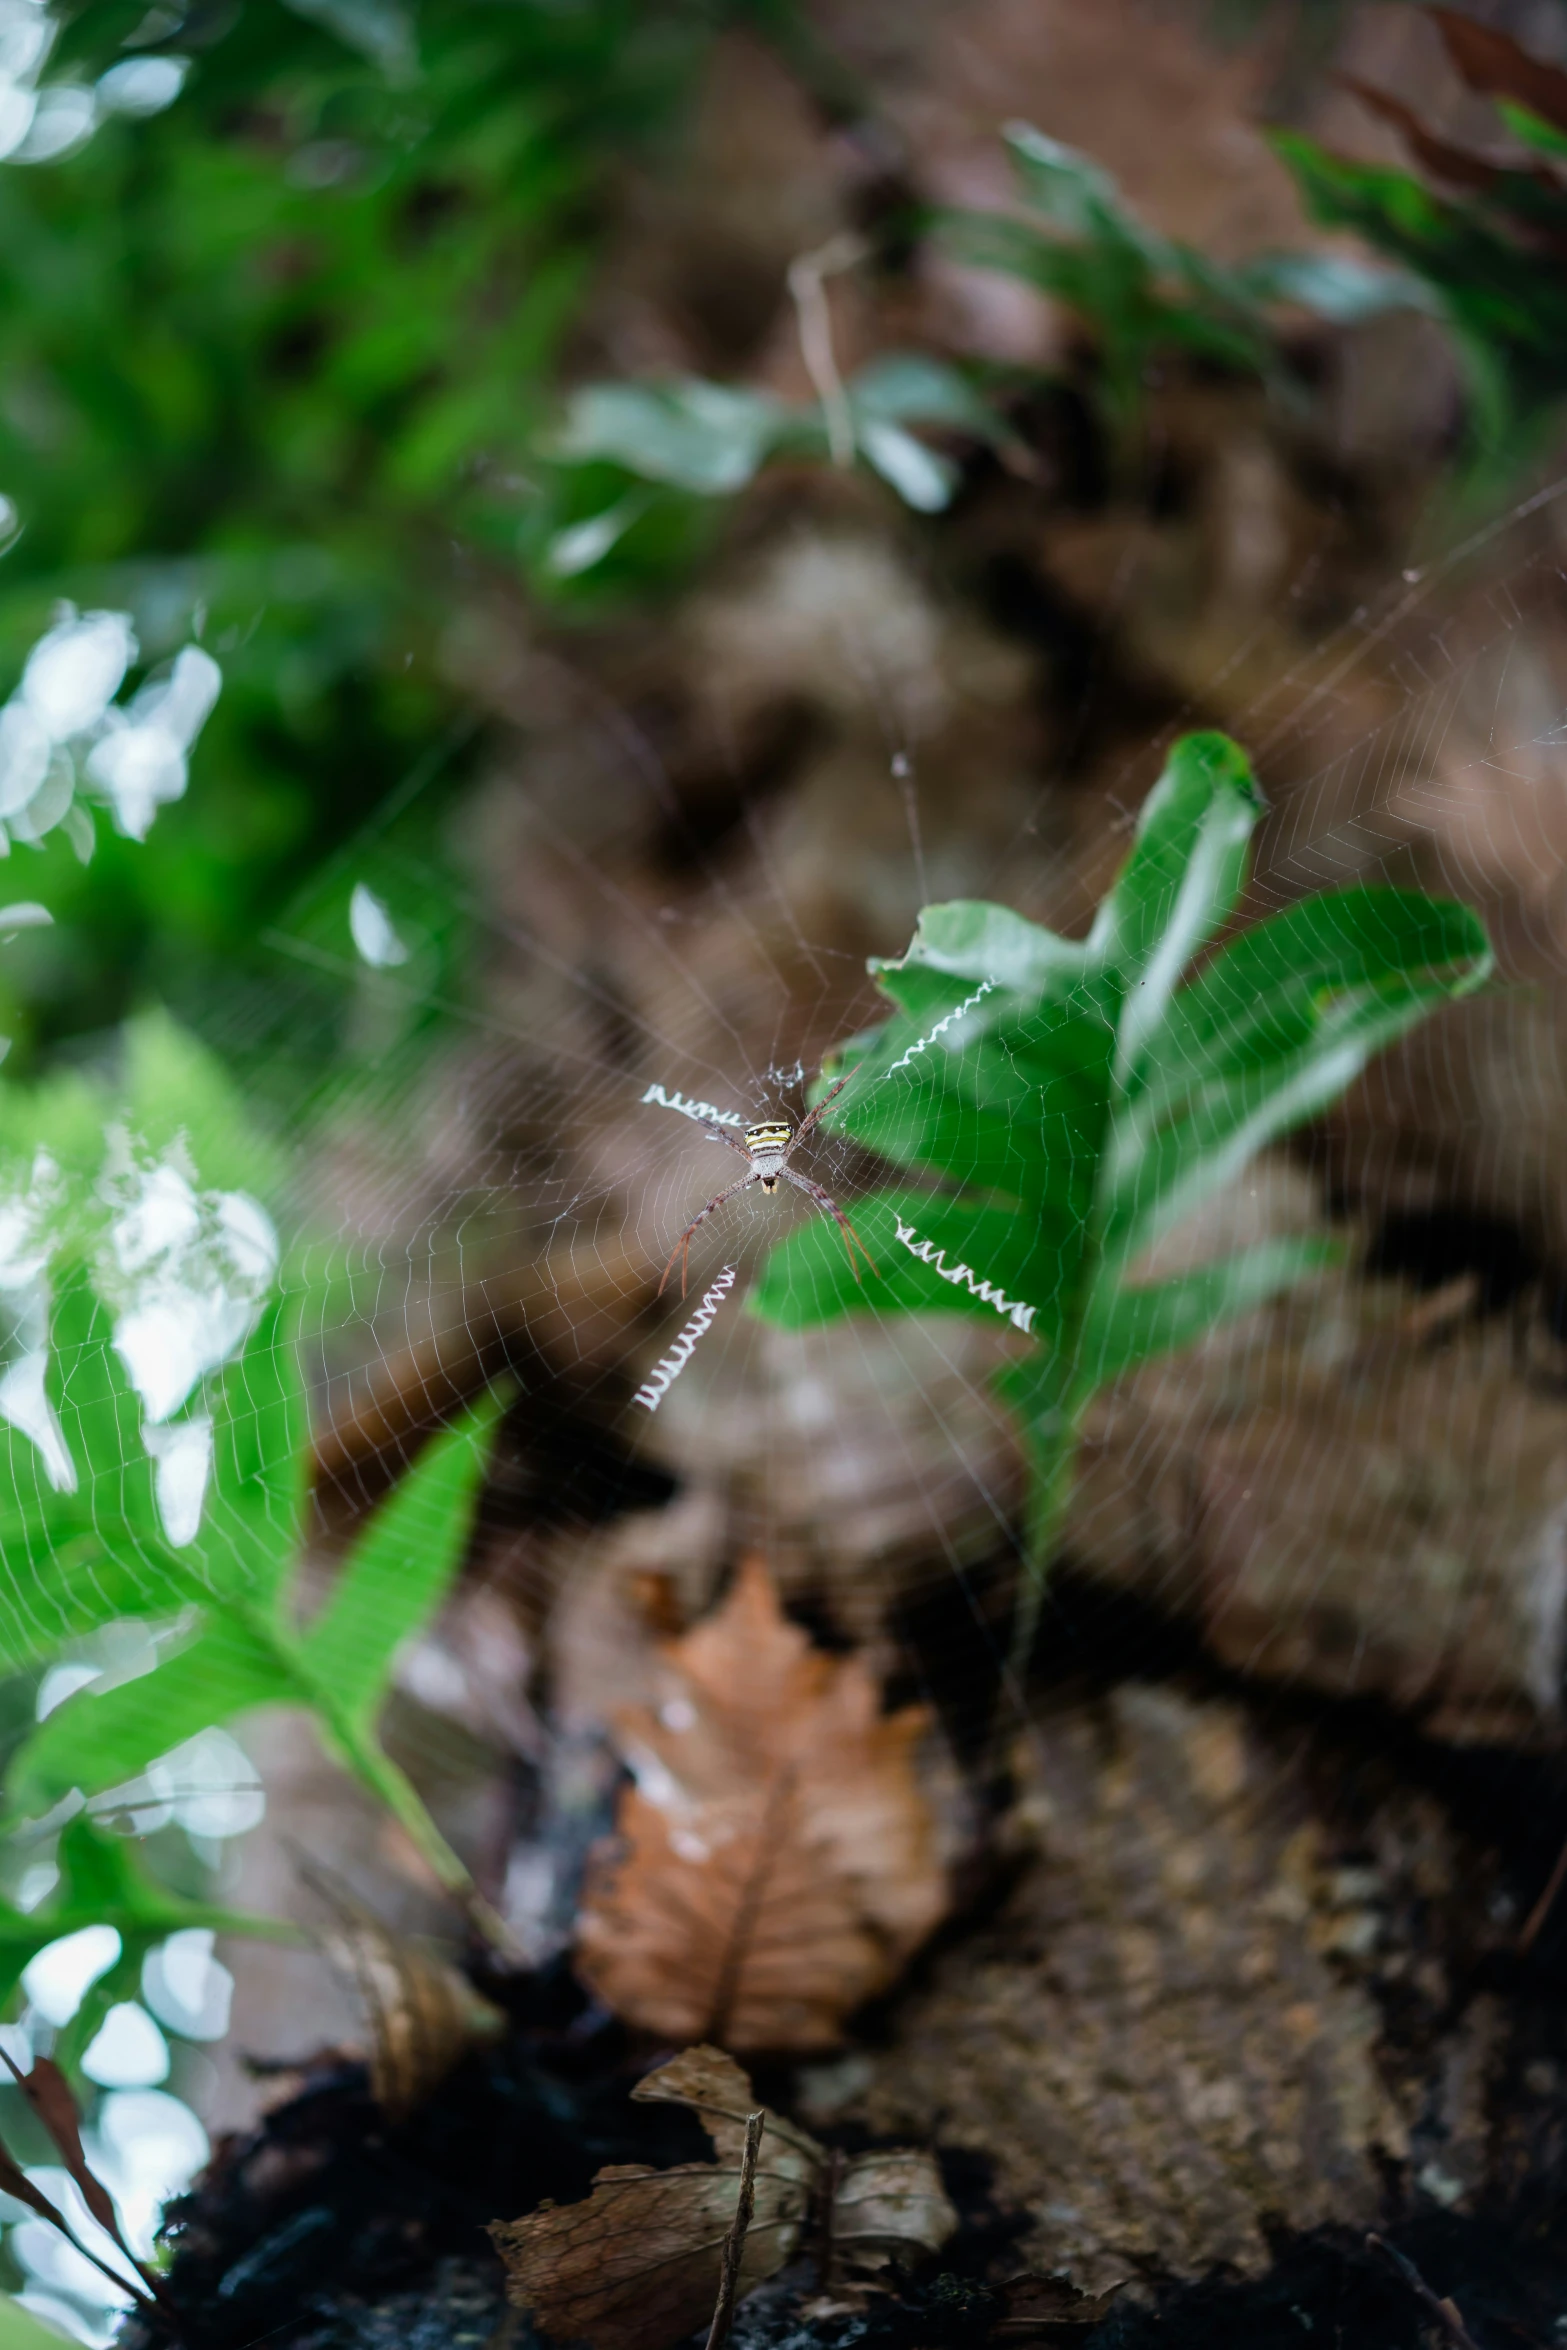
(767, 1150)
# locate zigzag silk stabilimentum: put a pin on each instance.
(1059, 1104)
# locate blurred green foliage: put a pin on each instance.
(272, 362)
(1494, 254)
(1143, 296)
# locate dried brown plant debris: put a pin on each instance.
(422, 2015)
(775, 1861)
(48, 2093)
(639, 2263)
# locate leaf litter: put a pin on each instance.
(776, 1861)
(639, 2263)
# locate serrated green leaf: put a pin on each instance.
(100, 1739)
(401, 1568)
(254, 1517)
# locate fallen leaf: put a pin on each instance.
(1047, 2309)
(775, 1861)
(1491, 62)
(48, 2093)
(423, 2016)
(637, 2265)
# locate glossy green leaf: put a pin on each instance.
(402, 1566)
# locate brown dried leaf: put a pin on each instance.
(1495, 65)
(1443, 161)
(638, 2263)
(49, 2094)
(1049, 2309)
(777, 1858)
(886, 2206)
(423, 2017)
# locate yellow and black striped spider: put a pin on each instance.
(767, 1150)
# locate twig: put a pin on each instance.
(806, 274)
(734, 2242)
(1543, 1907)
(1445, 2312)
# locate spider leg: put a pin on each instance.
(722, 1134)
(824, 1199)
(826, 1102)
(682, 1247)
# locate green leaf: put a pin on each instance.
(1264, 994)
(1273, 1029)
(694, 435)
(974, 939)
(1068, 190)
(922, 479)
(104, 1882)
(100, 1739)
(1026, 1261)
(254, 1517)
(20, 2330)
(174, 1089)
(907, 387)
(1076, 1099)
(1334, 286)
(1548, 137)
(401, 1568)
(1211, 1133)
(1136, 1324)
(1181, 882)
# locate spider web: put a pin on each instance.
(482, 1187)
(634, 929)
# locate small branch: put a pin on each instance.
(1543, 1907)
(734, 2242)
(1439, 2309)
(806, 283)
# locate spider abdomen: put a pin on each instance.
(769, 1140)
(768, 1145)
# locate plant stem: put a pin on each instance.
(1052, 1446)
(402, 1799)
(734, 2242)
(357, 1746)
